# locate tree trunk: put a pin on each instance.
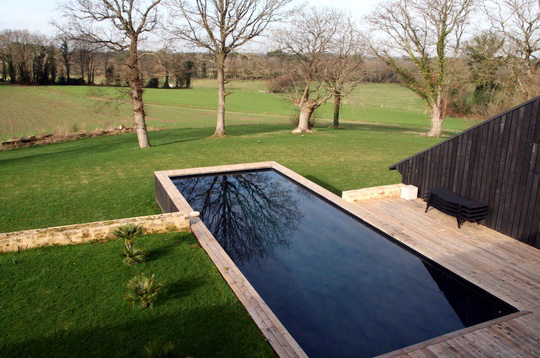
(337, 105)
(88, 75)
(220, 125)
(436, 117)
(136, 95)
(306, 110)
(82, 71)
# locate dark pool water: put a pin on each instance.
(340, 288)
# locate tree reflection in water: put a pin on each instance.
(250, 214)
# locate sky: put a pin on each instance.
(35, 15)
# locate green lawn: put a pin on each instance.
(109, 177)
(67, 301)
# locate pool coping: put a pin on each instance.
(170, 199)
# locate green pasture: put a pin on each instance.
(38, 110)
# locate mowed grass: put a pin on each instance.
(64, 109)
(109, 177)
(68, 301)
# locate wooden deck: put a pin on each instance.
(495, 262)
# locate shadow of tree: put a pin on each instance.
(324, 184)
(179, 289)
(201, 332)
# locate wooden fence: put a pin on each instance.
(496, 162)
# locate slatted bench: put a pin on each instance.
(463, 209)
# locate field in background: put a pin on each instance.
(38, 110)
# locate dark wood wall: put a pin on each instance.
(497, 162)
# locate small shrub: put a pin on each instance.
(159, 350)
(280, 84)
(153, 83)
(142, 289)
(133, 255)
(128, 232)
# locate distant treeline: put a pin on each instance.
(34, 59)
(483, 78)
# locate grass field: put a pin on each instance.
(68, 301)
(49, 305)
(109, 177)
(105, 178)
(63, 109)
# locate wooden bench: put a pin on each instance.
(463, 209)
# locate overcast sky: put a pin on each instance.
(35, 15)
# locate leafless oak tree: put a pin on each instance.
(222, 26)
(119, 25)
(426, 31)
(308, 38)
(346, 52)
(518, 21)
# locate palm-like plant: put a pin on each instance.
(129, 231)
(133, 255)
(142, 289)
(159, 350)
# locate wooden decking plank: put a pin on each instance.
(508, 343)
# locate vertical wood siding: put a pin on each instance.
(496, 162)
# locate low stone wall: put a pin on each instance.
(95, 231)
(376, 192)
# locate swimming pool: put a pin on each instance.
(339, 286)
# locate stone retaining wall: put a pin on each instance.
(95, 231)
(376, 192)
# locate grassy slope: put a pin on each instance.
(68, 302)
(37, 110)
(109, 177)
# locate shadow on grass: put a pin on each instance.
(224, 330)
(74, 149)
(178, 289)
(324, 184)
(161, 251)
(206, 133)
(380, 127)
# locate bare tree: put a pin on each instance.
(85, 54)
(66, 54)
(518, 21)
(22, 51)
(308, 38)
(346, 51)
(222, 27)
(119, 25)
(426, 31)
